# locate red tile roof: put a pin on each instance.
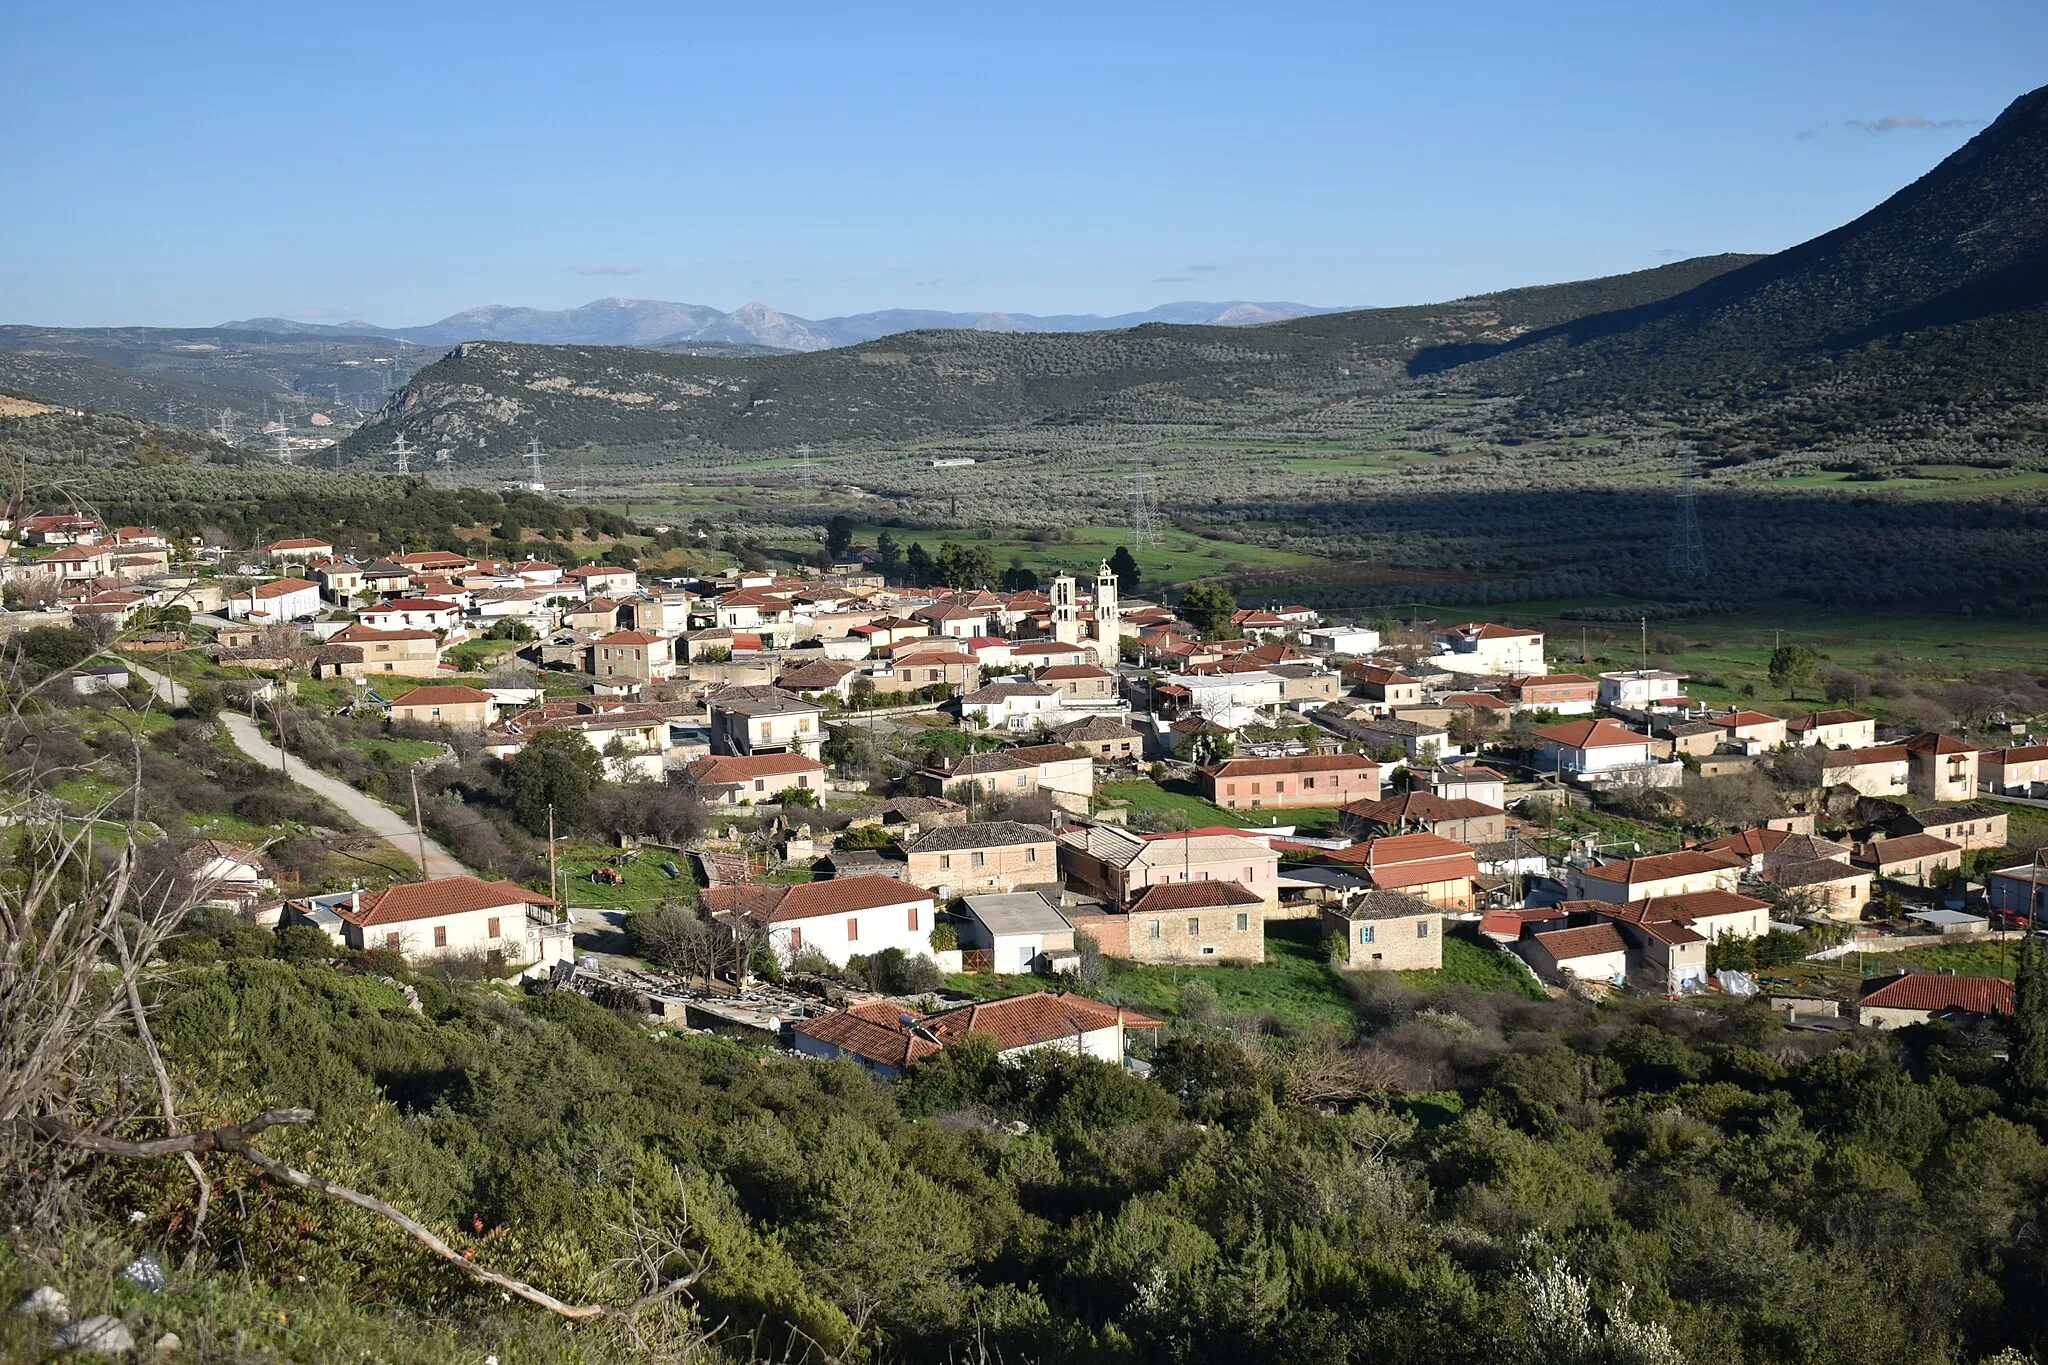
(1884, 852)
(1027, 1020)
(1856, 758)
(1588, 941)
(450, 694)
(1591, 734)
(277, 587)
(1190, 896)
(1933, 742)
(437, 898)
(841, 894)
(1300, 763)
(1741, 720)
(1935, 991)
(728, 769)
(1658, 866)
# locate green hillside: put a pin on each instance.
(1924, 317)
(491, 396)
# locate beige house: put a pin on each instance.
(1465, 822)
(913, 671)
(1915, 859)
(1183, 923)
(1657, 874)
(1087, 682)
(1119, 863)
(453, 705)
(629, 659)
(1382, 931)
(1440, 871)
(732, 780)
(1884, 770)
(988, 855)
(1750, 731)
(1943, 767)
(1108, 739)
(1833, 730)
(2014, 771)
(399, 653)
(1968, 827)
(1388, 686)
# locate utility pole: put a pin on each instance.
(554, 886)
(418, 828)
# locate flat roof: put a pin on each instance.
(1016, 912)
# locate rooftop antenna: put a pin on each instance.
(402, 454)
(1143, 511)
(535, 482)
(1688, 552)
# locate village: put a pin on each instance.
(1096, 783)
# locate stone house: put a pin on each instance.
(1382, 931)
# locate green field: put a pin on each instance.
(1177, 798)
(1296, 984)
(645, 885)
(1176, 557)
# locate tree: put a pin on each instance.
(798, 797)
(1793, 667)
(557, 768)
(888, 553)
(1017, 578)
(1208, 607)
(839, 536)
(2030, 1021)
(1125, 566)
(917, 565)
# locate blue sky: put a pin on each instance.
(185, 164)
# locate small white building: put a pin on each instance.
(1590, 746)
(1020, 929)
(412, 613)
(1641, 689)
(1355, 640)
(888, 1039)
(281, 599)
(1595, 952)
(1493, 650)
(840, 918)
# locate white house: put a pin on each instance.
(1500, 651)
(1833, 730)
(1020, 929)
(840, 918)
(1590, 746)
(1661, 875)
(412, 613)
(1640, 689)
(1594, 952)
(446, 917)
(281, 599)
(1012, 704)
(1342, 639)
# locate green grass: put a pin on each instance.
(1177, 798)
(645, 885)
(399, 750)
(1296, 984)
(1473, 961)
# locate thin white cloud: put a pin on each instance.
(607, 269)
(1892, 123)
(1173, 279)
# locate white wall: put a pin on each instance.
(885, 926)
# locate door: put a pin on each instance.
(1025, 953)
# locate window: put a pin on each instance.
(1365, 933)
(1244, 923)
(1308, 784)
(1422, 928)
(913, 919)
(977, 859)
(1255, 789)
(853, 931)
(391, 941)
(1208, 950)
(760, 785)
(1030, 855)
(1151, 930)
(440, 936)
(945, 861)
(1194, 925)
(1279, 789)
(796, 939)
(491, 927)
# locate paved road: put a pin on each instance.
(371, 814)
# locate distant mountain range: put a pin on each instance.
(653, 322)
(1924, 322)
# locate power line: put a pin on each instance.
(1143, 511)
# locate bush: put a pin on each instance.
(945, 938)
(894, 972)
(304, 943)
